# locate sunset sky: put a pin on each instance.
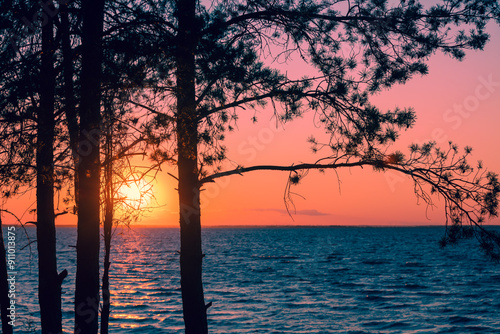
(458, 101)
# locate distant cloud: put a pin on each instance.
(312, 212)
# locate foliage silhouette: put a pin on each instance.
(216, 63)
(27, 58)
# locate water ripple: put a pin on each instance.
(285, 280)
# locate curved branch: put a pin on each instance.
(239, 103)
(281, 91)
(272, 14)
(468, 201)
(152, 110)
(241, 170)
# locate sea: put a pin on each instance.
(284, 280)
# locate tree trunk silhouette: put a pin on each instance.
(88, 169)
(49, 283)
(195, 315)
(69, 91)
(107, 227)
(4, 287)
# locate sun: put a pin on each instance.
(136, 193)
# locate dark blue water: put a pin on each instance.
(290, 280)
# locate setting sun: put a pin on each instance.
(136, 193)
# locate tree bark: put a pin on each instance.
(4, 287)
(88, 169)
(49, 284)
(107, 226)
(194, 309)
(69, 91)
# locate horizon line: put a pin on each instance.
(261, 226)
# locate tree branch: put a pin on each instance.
(272, 14)
(156, 112)
(241, 170)
(238, 103)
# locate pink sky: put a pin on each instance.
(458, 101)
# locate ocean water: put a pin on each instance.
(286, 280)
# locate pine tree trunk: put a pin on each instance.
(69, 91)
(195, 314)
(4, 287)
(88, 169)
(106, 294)
(107, 227)
(49, 284)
